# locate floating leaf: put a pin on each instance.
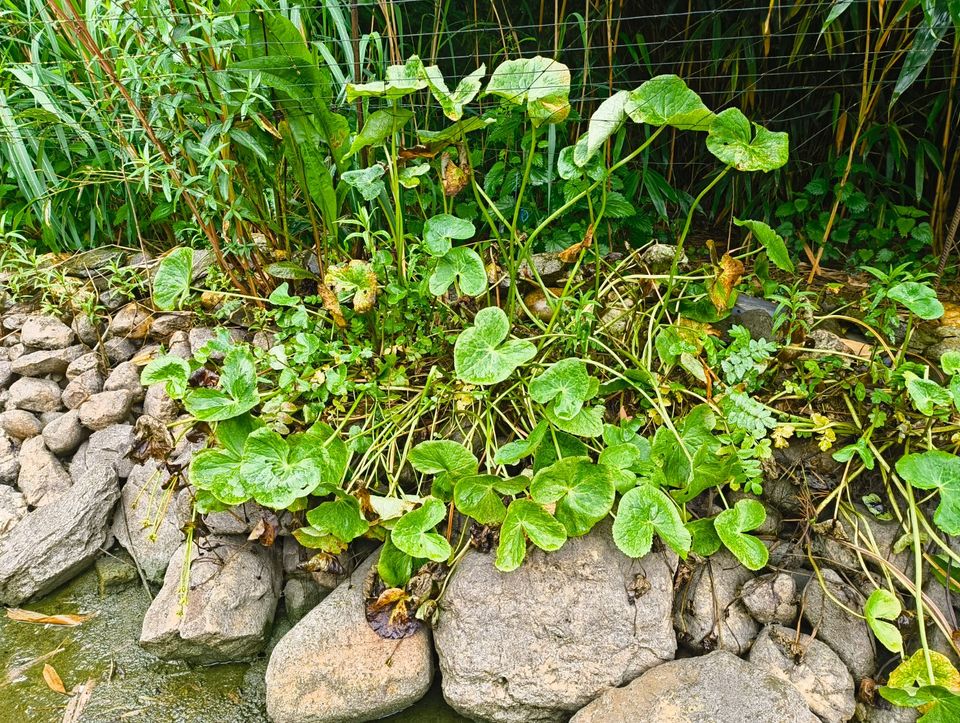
(171, 283)
(730, 139)
(731, 526)
(29, 616)
(566, 380)
(357, 278)
(583, 492)
(941, 471)
(527, 520)
(170, 370)
(340, 517)
(883, 606)
(368, 181)
(541, 83)
(440, 229)
(238, 380)
(412, 532)
(476, 497)
(643, 511)
(380, 126)
(461, 265)
(771, 241)
(482, 355)
(52, 679)
(919, 298)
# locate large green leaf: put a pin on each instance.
(380, 126)
(476, 497)
(513, 452)
(232, 433)
(919, 298)
(452, 103)
(665, 100)
(643, 511)
(340, 517)
(394, 566)
(541, 83)
(277, 473)
(462, 265)
(438, 231)
(557, 445)
(582, 491)
(588, 422)
(400, 80)
(730, 139)
(940, 471)
(731, 526)
(301, 144)
(446, 459)
(413, 534)
(927, 396)
(566, 380)
(527, 520)
(171, 282)
(928, 37)
(368, 181)
(170, 370)
(882, 607)
(218, 472)
(238, 381)
(483, 355)
(772, 242)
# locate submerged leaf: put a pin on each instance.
(30, 616)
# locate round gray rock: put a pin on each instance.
(20, 424)
(46, 332)
(34, 395)
(538, 643)
(106, 409)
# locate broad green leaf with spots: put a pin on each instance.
(542, 84)
(927, 396)
(732, 525)
(171, 282)
(367, 181)
(218, 472)
(413, 533)
(582, 491)
(646, 510)
(461, 265)
(482, 353)
(588, 422)
(400, 80)
(940, 471)
(277, 472)
(731, 140)
(527, 520)
(567, 382)
(355, 279)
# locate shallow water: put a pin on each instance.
(130, 684)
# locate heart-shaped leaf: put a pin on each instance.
(543, 84)
(730, 139)
(238, 380)
(277, 473)
(643, 511)
(368, 181)
(357, 279)
(527, 520)
(462, 265)
(665, 100)
(883, 606)
(232, 433)
(706, 541)
(918, 298)
(583, 492)
(566, 380)
(513, 452)
(218, 472)
(171, 282)
(476, 497)
(482, 355)
(413, 534)
(771, 241)
(927, 396)
(941, 471)
(436, 456)
(172, 371)
(731, 526)
(340, 517)
(380, 126)
(452, 103)
(440, 229)
(400, 80)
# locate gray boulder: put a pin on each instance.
(106, 409)
(714, 688)
(55, 542)
(809, 666)
(167, 324)
(13, 508)
(133, 321)
(848, 636)
(148, 520)
(81, 388)
(6, 373)
(234, 586)
(34, 395)
(179, 345)
(110, 446)
(20, 424)
(9, 463)
(42, 478)
(41, 363)
(86, 329)
(118, 349)
(771, 598)
(709, 613)
(353, 673)
(91, 361)
(46, 332)
(538, 643)
(125, 376)
(300, 596)
(64, 434)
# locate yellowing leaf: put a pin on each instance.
(52, 679)
(29, 616)
(913, 672)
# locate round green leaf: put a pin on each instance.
(731, 141)
(238, 380)
(462, 265)
(218, 472)
(443, 455)
(643, 511)
(588, 422)
(731, 524)
(918, 298)
(881, 607)
(275, 473)
(566, 380)
(340, 517)
(171, 283)
(170, 370)
(543, 84)
(394, 566)
(482, 355)
(440, 229)
(475, 497)
(583, 492)
(368, 181)
(412, 532)
(936, 470)
(527, 520)
(665, 100)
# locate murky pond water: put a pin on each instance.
(130, 684)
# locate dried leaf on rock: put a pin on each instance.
(722, 288)
(153, 439)
(52, 679)
(387, 609)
